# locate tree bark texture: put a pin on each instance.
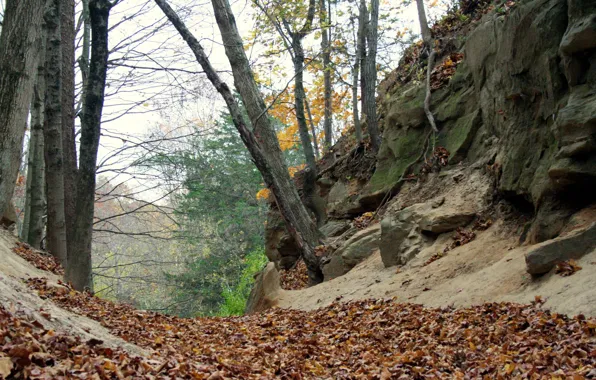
(296, 37)
(79, 269)
(36, 169)
(27, 209)
(299, 100)
(362, 21)
(324, 18)
(355, 74)
(67, 33)
(370, 74)
(35, 210)
(262, 141)
(424, 28)
(56, 227)
(83, 60)
(313, 130)
(18, 60)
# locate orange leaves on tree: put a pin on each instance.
(295, 169)
(264, 193)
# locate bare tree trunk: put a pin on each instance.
(429, 45)
(262, 142)
(313, 130)
(292, 40)
(299, 99)
(78, 271)
(355, 73)
(83, 60)
(309, 188)
(362, 21)
(67, 31)
(424, 29)
(324, 18)
(35, 199)
(24, 232)
(370, 74)
(21, 29)
(56, 235)
(37, 166)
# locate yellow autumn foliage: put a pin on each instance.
(265, 192)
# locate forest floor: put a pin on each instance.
(49, 331)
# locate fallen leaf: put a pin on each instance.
(5, 366)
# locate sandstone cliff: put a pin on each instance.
(516, 149)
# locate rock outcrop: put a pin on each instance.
(518, 119)
(265, 291)
(354, 250)
(546, 255)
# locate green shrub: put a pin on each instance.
(235, 298)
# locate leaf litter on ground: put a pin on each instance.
(294, 278)
(39, 259)
(369, 339)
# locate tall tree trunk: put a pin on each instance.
(370, 74)
(18, 60)
(56, 232)
(293, 41)
(78, 271)
(429, 45)
(313, 130)
(83, 60)
(362, 26)
(67, 31)
(309, 188)
(424, 29)
(299, 99)
(355, 74)
(35, 199)
(24, 232)
(324, 18)
(262, 141)
(37, 166)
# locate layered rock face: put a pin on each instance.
(518, 119)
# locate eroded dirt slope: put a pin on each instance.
(491, 268)
(18, 298)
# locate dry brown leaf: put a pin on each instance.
(484, 341)
(385, 374)
(5, 367)
(567, 268)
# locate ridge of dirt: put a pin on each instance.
(30, 351)
(16, 296)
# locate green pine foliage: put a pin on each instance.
(220, 221)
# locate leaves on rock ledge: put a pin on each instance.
(364, 220)
(294, 278)
(40, 260)
(443, 72)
